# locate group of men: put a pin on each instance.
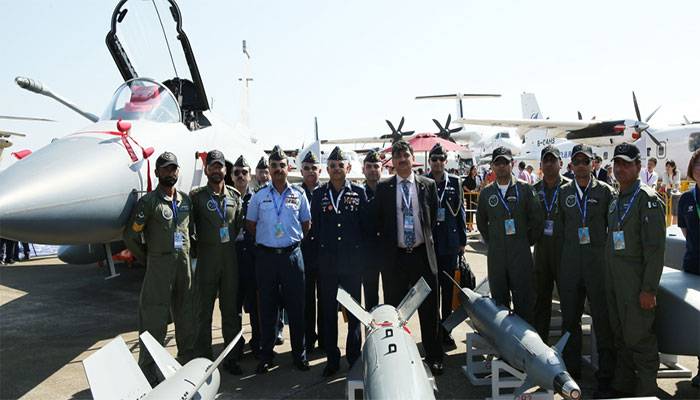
(591, 242)
(266, 246)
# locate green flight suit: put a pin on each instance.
(509, 260)
(631, 270)
(167, 287)
(547, 256)
(582, 274)
(216, 272)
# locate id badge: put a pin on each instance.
(441, 214)
(548, 227)
(279, 232)
(408, 223)
(510, 226)
(619, 240)
(179, 240)
(584, 237)
(223, 234)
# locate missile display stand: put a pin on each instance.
(483, 368)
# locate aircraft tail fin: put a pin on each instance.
(215, 365)
(353, 307)
(166, 363)
(413, 300)
(455, 319)
(113, 374)
(559, 347)
(531, 110)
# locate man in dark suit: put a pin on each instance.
(406, 213)
(598, 171)
(450, 232)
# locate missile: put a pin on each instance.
(113, 374)
(392, 366)
(518, 344)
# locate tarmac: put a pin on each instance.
(54, 315)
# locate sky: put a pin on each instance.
(355, 64)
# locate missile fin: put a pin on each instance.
(527, 385)
(215, 365)
(355, 309)
(165, 362)
(413, 300)
(559, 347)
(455, 319)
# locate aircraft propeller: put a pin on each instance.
(396, 133)
(445, 131)
(644, 126)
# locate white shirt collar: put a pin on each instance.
(411, 178)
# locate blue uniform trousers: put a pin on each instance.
(280, 277)
(328, 285)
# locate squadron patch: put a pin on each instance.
(570, 200)
(653, 204)
(167, 213)
(211, 206)
(493, 200)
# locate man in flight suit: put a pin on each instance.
(510, 220)
(310, 171)
(158, 236)
(583, 205)
(450, 231)
(216, 215)
(337, 212)
(635, 254)
(278, 214)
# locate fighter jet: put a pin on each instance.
(114, 375)
(81, 188)
(391, 365)
(517, 343)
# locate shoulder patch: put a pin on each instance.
(196, 190)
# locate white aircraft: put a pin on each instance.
(91, 179)
(5, 136)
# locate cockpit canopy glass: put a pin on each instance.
(143, 99)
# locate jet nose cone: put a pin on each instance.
(77, 190)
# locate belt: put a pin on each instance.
(409, 250)
(278, 250)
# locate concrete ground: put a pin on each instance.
(53, 315)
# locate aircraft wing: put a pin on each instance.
(556, 128)
(373, 139)
(165, 362)
(113, 374)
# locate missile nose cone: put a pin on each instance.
(76, 190)
(565, 385)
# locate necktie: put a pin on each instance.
(409, 236)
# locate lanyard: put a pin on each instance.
(444, 189)
(218, 210)
(335, 203)
(697, 200)
(503, 200)
(648, 176)
(621, 219)
(278, 209)
(548, 207)
(174, 207)
(406, 197)
(583, 209)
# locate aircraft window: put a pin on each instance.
(143, 99)
(661, 151)
(694, 141)
(504, 135)
(605, 155)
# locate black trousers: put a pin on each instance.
(446, 263)
(328, 284)
(248, 293)
(370, 287)
(398, 278)
(314, 326)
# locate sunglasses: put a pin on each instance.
(310, 168)
(281, 165)
(336, 165)
(238, 172)
(581, 161)
(437, 158)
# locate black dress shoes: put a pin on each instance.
(301, 365)
(330, 370)
(437, 368)
(264, 366)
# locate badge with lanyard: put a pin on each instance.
(223, 230)
(619, 234)
(509, 224)
(549, 222)
(408, 226)
(584, 236)
(441, 208)
(279, 229)
(179, 237)
(335, 204)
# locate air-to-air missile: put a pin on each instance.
(517, 343)
(113, 374)
(392, 366)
